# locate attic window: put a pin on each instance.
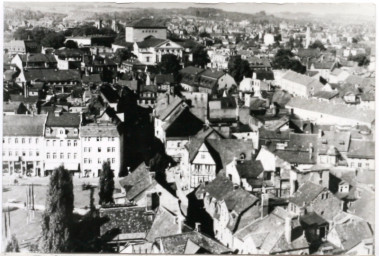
(48, 130)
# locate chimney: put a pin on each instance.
(320, 133)
(264, 205)
(179, 222)
(198, 226)
(149, 201)
(310, 151)
(288, 229)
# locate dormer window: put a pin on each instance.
(61, 131)
(76, 131)
(48, 131)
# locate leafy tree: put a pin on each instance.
(12, 245)
(85, 30)
(122, 54)
(238, 68)
(170, 65)
(58, 216)
(106, 184)
(22, 34)
(54, 40)
(71, 44)
(361, 59)
(107, 31)
(204, 34)
(284, 60)
(200, 56)
(317, 45)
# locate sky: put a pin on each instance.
(362, 8)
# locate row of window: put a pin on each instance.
(359, 165)
(61, 131)
(109, 149)
(23, 153)
(149, 31)
(61, 143)
(22, 140)
(98, 138)
(61, 155)
(99, 160)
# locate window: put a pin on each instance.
(108, 160)
(113, 149)
(108, 149)
(61, 155)
(147, 59)
(98, 139)
(99, 160)
(99, 149)
(47, 142)
(61, 143)
(23, 153)
(48, 155)
(113, 160)
(75, 131)
(85, 160)
(89, 160)
(89, 149)
(16, 140)
(61, 132)
(68, 155)
(69, 143)
(85, 149)
(3, 153)
(30, 153)
(10, 153)
(30, 140)
(75, 155)
(54, 155)
(75, 143)
(359, 164)
(54, 143)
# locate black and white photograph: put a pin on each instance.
(188, 127)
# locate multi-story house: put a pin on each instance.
(298, 84)
(23, 145)
(34, 61)
(151, 50)
(62, 141)
(99, 143)
(68, 58)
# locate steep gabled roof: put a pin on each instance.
(23, 125)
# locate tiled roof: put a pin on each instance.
(96, 130)
(303, 79)
(361, 149)
(163, 110)
(51, 75)
(264, 75)
(151, 42)
(137, 182)
(164, 78)
(67, 53)
(22, 98)
(63, 120)
(325, 94)
(191, 70)
(227, 149)
(92, 78)
(364, 207)
(176, 244)
(337, 139)
(209, 73)
(296, 156)
(249, 169)
(353, 232)
(236, 199)
(126, 220)
(147, 23)
(165, 224)
(306, 194)
(38, 57)
(340, 110)
(23, 125)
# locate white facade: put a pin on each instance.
(97, 150)
(23, 155)
(153, 54)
